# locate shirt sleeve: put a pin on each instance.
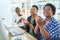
(14, 20)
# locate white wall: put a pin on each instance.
(5, 11)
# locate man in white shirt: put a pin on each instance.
(17, 19)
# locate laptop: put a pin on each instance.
(14, 31)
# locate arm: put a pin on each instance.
(26, 22)
(31, 26)
(44, 32)
(42, 29)
(36, 29)
(20, 20)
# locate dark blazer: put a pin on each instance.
(34, 24)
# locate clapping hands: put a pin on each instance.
(39, 20)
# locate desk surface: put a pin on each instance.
(30, 37)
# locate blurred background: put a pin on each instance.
(7, 9)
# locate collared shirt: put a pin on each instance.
(52, 27)
(16, 18)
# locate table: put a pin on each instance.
(30, 37)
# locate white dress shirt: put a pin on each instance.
(16, 18)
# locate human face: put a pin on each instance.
(47, 11)
(33, 11)
(18, 11)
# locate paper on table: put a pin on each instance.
(19, 38)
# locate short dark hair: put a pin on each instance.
(17, 8)
(35, 6)
(52, 7)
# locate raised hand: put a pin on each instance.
(39, 21)
(20, 20)
(25, 22)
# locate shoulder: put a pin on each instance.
(29, 17)
(54, 21)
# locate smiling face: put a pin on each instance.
(47, 11)
(33, 11)
(17, 11)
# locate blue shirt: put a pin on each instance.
(52, 28)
